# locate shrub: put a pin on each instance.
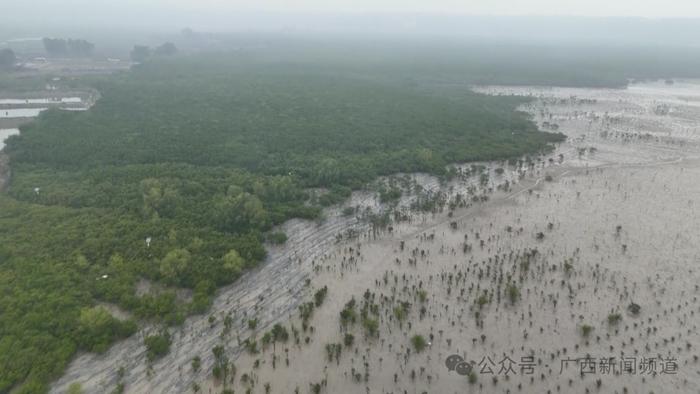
(252, 324)
(320, 295)
(422, 295)
(371, 326)
(419, 343)
(513, 293)
(586, 330)
(614, 318)
(349, 339)
(634, 308)
(279, 333)
(277, 237)
(157, 345)
(482, 300)
(75, 388)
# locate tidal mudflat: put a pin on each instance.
(570, 272)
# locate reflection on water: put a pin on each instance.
(4, 133)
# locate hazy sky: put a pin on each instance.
(473, 18)
(643, 8)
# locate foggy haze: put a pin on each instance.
(648, 19)
(598, 8)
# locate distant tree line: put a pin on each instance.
(141, 53)
(59, 47)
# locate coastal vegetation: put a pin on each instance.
(172, 183)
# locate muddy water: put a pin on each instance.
(631, 161)
(656, 271)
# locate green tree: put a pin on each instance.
(419, 343)
(157, 345)
(240, 212)
(97, 328)
(174, 264)
(158, 199)
(233, 263)
(75, 388)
